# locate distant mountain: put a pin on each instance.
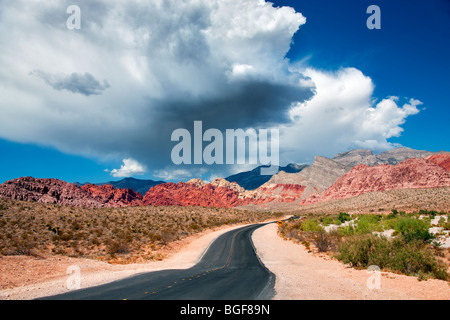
(252, 180)
(138, 185)
(355, 157)
(219, 193)
(349, 175)
(414, 173)
(367, 157)
(315, 178)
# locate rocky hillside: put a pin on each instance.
(192, 193)
(137, 185)
(367, 157)
(64, 193)
(431, 172)
(218, 193)
(442, 160)
(324, 180)
(252, 180)
(314, 179)
(110, 196)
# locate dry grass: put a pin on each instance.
(120, 235)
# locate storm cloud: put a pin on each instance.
(137, 70)
(84, 84)
(167, 64)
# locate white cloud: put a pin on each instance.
(343, 115)
(143, 68)
(174, 174)
(129, 168)
(385, 119)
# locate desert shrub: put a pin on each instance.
(343, 217)
(311, 225)
(291, 228)
(368, 223)
(410, 258)
(168, 235)
(327, 220)
(359, 250)
(66, 236)
(413, 229)
(413, 258)
(324, 241)
(432, 213)
(346, 231)
(118, 247)
(18, 247)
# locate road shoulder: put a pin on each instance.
(305, 276)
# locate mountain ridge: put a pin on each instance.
(138, 185)
(253, 179)
(430, 172)
(324, 180)
(394, 156)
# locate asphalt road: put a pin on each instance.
(228, 270)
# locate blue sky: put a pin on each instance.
(408, 58)
(409, 55)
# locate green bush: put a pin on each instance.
(347, 231)
(446, 226)
(344, 217)
(431, 213)
(411, 258)
(363, 251)
(369, 223)
(413, 229)
(326, 221)
(414, 259)
(311, 225)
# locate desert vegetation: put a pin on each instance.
(119, 235)
(409, 200)
(398, 241)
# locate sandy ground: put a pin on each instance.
(299, 275)
(306, 276)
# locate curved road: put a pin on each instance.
(228, 270)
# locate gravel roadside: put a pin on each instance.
(305, 276)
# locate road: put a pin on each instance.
(228, 270)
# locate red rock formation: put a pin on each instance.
(281, 192)
(64, 193)
(442, 160)
(409, 174)
(190, 194)
(430, 172)
(219, 193)
(111, 196)
(47, 191)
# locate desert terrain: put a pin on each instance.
(346, 212)
(300, 275)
